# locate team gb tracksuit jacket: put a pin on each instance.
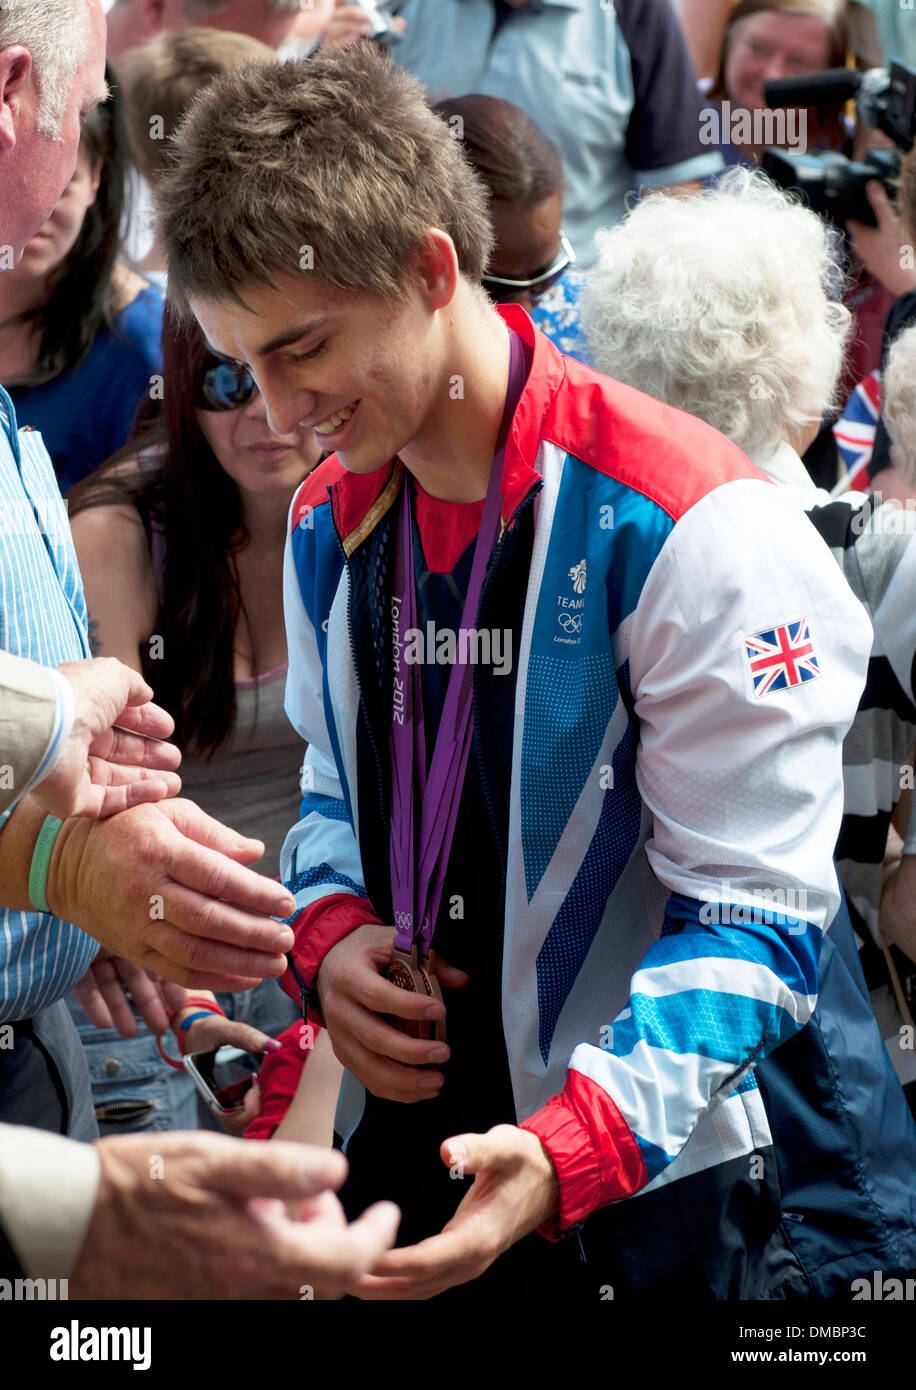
(689, 661)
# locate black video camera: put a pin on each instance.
(829, 183)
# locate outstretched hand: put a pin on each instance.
(514, 1190)
(114, 757)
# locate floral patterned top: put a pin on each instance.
(556, 313)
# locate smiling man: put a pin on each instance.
(538, 843)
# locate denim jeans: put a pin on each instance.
(132, 1088)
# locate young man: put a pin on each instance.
(637, 784)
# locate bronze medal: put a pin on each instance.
(409, 971)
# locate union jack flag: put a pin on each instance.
(781, 657)
(854, 432)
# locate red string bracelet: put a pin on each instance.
(192, 1001)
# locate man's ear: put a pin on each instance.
(436, 268)
(15, 79)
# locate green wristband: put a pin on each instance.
(41, 860)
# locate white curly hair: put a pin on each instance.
(898, 403)
(720, 304)
(56, 33)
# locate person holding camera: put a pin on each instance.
(888, 251)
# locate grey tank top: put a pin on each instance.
(252, 783)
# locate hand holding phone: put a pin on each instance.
(223, 1076)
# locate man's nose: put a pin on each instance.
(285, 408)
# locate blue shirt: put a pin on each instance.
(612, 85)
(86, 415)
(896, 22)
(43, 617)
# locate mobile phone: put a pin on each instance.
(223, 1076)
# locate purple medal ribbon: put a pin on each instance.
(418, 866)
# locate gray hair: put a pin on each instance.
(720, 304)
(898, 404)
(56, 33)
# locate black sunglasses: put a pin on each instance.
(223, 386)
(499, 288)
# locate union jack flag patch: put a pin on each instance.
(781, 657)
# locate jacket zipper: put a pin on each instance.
(359, 689)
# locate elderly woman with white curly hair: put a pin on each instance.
(721, 305)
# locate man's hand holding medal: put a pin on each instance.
(357, 1002)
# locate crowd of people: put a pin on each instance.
(458, 649)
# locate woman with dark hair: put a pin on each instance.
(180, 539)
(523, 171)
(79, 331)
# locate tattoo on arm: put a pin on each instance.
(95, 641)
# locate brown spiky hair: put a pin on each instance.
(334, 168)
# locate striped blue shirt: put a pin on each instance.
(43, 617)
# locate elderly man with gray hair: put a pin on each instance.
(724, 306)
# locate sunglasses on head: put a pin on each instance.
(223, 386)
(498, 288)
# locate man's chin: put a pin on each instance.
(355, 461)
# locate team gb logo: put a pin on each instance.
(577, 575)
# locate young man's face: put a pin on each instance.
(357, 371)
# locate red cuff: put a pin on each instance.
(320, 926)
(279, 1076)
(592, 1148)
